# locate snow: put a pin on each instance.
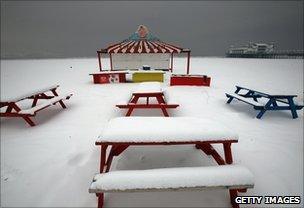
(147, 71)
(247, 100)
(173, 178)
(265, 92)
(147, 87)
(169, 98)
(169, 129)
(46, 103)
(52, 164)
(110, 72)
(125, 100)
(22, 93)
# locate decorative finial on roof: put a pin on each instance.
(142, 31)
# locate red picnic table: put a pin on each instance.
(124, 132)
(11, 104)
(147, 90)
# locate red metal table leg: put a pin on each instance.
(242, 190)
(35, 100)
(13, 106)
(160, 98)
(100, 200)
(110, 158)
(129, 112)
(103, 149)
(233, 195)
(209, 150)
(164, 110)
(120, 149)
(28, 120)
(134, 99)
(227, 152)
(61, 102)
(9, 109)
(115, 151)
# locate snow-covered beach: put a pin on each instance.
(52, 164)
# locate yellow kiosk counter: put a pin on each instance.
(148, 76)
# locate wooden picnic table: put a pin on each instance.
(124, 132)
(10, 102)
(147, 90)
(274, 102)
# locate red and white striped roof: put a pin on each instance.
(143, 46)
(143, 42)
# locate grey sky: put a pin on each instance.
(78, 28)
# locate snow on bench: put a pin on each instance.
(223, 176)
(148, 87)
(249, 101)
(169, 129)
(170, 99)
(22, 94)
(33, 110)
(124, 100)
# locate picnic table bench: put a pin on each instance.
(11, 103)
(274, 102)
(124, 132)
(147, 90)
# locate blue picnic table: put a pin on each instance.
(275, 102)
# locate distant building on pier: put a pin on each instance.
(262, 50)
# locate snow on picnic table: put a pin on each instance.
(166, 178)
(169, 129)
(52, 164)
(148, 87)
(8, 95)
(33, 110)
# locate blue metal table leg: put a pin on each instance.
(268, 104)
(236, 91)
(292, 107)
(261, 113)
(230, 99)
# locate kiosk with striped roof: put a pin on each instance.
(142, 48)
